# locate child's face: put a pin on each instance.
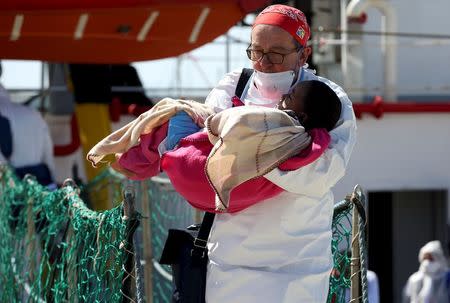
(292, 101)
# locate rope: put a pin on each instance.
(359, 201)
(140, 293)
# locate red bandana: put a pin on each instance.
(288, 18)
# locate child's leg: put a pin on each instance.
(181, 125)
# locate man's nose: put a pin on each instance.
(263, 65)
(264, 61)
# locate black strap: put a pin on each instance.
(205, 228)
(199, 250)
(243, 79)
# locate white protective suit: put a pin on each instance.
(279, 250)
(430, 284)
(32, 143)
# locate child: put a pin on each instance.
(251, 141)
(314, 104)
(311, 104)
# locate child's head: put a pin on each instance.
(315, 104)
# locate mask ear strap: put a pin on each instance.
(297, 78)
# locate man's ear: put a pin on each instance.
(306, 52)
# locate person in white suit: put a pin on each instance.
(31, 149)
(279, 250)
(430, 284)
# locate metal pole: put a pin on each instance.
(41, 105)
(178, 75)
(355, 258)
(344, 39)
(227, 53)
(147, 236)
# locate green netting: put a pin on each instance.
(54, 249)
(349, 260)
(340, 245)
(168, 210)
(162, 208)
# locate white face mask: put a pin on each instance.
(270, 86)
(429, 267)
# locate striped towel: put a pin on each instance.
(126, 137)
(249, 141)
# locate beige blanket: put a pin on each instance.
(128, 136)
(249, 141)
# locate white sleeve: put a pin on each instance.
(317, 178)
(407, 291)
(220, 96)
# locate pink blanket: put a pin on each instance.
(185, 166)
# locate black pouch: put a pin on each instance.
(186, 252)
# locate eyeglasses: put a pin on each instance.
(272, 57)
